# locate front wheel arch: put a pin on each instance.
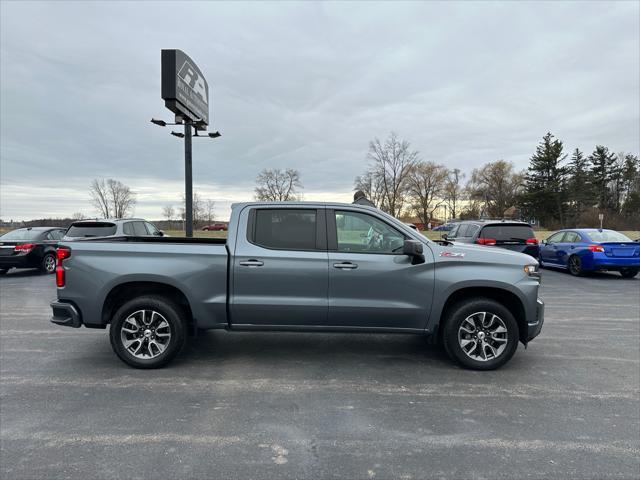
(508, 299)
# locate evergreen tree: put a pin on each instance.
(579, 188)
(603, 170)
(545, 182)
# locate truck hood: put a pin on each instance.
(479, 253)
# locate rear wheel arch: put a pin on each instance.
(124, 292)
(505, 297)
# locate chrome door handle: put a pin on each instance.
(345, 265)
(252, 263)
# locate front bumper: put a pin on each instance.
(65, 314)
(534, 328)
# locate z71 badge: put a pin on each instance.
(452, 254)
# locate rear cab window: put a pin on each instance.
(94, 229)
(508, 234)
(284, 229)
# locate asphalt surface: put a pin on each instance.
(276, 405)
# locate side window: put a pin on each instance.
(139, 229)
(571, 237)
(56, 234)
(454, 231)
(151, 228)
(49, 235)
(555, 238)
(473, 229)
(128, 228)
(285, 229)
(362, 233)
(462, 230)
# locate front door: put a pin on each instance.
(549, 250)
(280, 268)
(371, 283)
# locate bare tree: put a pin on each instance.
(425, 186)
(392, 163)
(275, 185)
(496, 185)
(112, 198)
(197, 209)
(454, 191)
(100, 197)
(78, 216)
(123, 200)
(169, 213)
(209, 208)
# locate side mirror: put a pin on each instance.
(543, 242)
(414, 249)
(160, 233)
(445, 236)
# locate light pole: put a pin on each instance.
(188, 171)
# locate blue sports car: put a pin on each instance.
(586, 250)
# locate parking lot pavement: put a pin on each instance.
(285, 405)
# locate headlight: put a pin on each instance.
(531, 270)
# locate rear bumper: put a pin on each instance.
(65, 314)
(602, 262)
(534, 328)
(19, 261)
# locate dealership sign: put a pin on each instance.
(184, 88)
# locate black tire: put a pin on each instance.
(459, 313)
(173, 315)
(3, 271)
(629, 272)
(48, 264)
(575, 266)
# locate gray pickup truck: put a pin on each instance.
(309, 267)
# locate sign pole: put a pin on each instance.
(188, 181)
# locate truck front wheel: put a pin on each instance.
(480, 334)
(147, 332)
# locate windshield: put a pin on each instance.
(20, 234)
(607, 236)
(97, 229)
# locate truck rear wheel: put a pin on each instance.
(480, 334)
(147, 332)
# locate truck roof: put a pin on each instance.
(303, 203)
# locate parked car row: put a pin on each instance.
(35, 247)
(579, 251)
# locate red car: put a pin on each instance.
(216, 227)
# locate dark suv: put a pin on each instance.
(516, 236)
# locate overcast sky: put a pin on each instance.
(301, 85)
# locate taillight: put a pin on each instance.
(486, 241)
(532, 241)
(596, 248)
(24, 248)
(61, 254)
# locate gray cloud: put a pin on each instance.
(303, 85)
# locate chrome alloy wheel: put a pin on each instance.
(145, 334)
(50, 263)
(483, 336)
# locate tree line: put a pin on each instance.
(553, 190)
(556, 190)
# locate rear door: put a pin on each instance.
(566, 247)
(280, 268)
(371, 283)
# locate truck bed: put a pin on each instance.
(196, 267)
